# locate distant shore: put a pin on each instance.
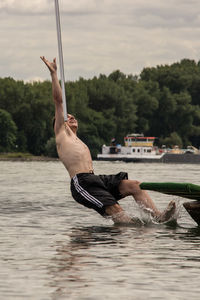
(25, 157)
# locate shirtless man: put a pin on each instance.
(99, 192)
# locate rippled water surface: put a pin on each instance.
(53, 248)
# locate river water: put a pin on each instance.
(53, 248)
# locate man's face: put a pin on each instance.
(72, 122)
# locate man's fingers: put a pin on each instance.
(50, 65)
(45, 61)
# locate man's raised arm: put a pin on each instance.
(57, 93)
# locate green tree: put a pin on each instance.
(163, 101)
(7, 132)
(50, 148)
(145, 98)
(172, 140)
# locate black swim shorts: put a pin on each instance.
(97, 191)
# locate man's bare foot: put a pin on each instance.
(167, 213)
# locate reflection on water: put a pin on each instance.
(52, 248)
(72, 258)
(99, 256)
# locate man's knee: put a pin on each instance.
(129, 187)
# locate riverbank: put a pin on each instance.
(19, 156)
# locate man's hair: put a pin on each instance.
(53, 122)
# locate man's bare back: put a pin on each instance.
(74, 154)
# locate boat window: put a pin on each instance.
(149, 150)
(138, 150)
(133, 150)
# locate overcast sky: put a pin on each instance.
(99, 36)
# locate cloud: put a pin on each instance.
(25, 7)
(98, 36)
(44, 6)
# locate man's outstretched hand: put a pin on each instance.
(52, 66)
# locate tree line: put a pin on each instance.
(163, 101)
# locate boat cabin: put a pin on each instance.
(138, 140)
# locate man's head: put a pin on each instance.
(72, 123)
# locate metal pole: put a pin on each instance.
(62, 76)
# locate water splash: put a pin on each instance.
(145, 214)
(123, 218)
(174, 216)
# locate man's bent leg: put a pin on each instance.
(132, 188)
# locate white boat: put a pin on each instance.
(140, 148)
(136, 147)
